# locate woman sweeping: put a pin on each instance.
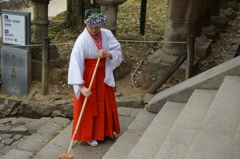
(100, 117)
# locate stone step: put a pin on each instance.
(210, 79)
(220, 124)
(125, 142)
(154, 135)
(187, 125)
(234, 152)
(142, 121)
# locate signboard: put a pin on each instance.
(13, 27)
(16, 59)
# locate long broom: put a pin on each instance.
(68, 155)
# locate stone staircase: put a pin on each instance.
(200, 119)
(207, 126)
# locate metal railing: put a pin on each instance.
(188, 55)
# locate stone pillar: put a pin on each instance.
(40, 20)
(202, 44)
(226, 11)
(216, 19)
(207, 29)
(110, 8)
(4, 5)
(177, 28)
(40, 31)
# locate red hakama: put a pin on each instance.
(100, 117)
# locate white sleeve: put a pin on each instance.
(116, 51)
(76, 67)
(111, 64)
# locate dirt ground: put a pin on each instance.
(136, 53)
(59, 89)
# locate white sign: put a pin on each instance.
(13, 29)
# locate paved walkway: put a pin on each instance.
(54, 8)
(48, 138)
(25, 137)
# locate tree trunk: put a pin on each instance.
(75, 13)
(96, 5)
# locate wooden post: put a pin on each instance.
(190, 56)
(45, 66)
(143, 16)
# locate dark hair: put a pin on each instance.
(90, 11)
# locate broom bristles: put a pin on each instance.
(66, 156)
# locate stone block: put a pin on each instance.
(129, 102)
(124, 144)
(16, 72)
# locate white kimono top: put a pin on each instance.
(85, 47)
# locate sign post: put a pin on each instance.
(16, 54)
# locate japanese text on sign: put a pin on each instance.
(14, 73)
(13, 28)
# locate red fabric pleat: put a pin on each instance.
(100, 117)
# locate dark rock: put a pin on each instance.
(57, 113)
(67, 110)
(27, 111)
(8, 141)
(7, 106)
(60, 102)
(15, 111)
(43, 108)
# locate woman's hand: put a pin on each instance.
(85, 91)
(102, 54)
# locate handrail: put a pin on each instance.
(168, 73)
(176, 64)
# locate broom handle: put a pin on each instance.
(83, 107)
